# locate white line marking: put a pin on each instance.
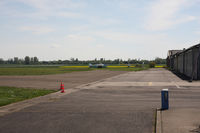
(150, 83)
(176, 85)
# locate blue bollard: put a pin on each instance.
(165, 99)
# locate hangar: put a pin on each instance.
(185, 62)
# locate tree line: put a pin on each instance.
(26, 61)
(75, 61)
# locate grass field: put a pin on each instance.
(39, 70)
(12, 94)
(46, 70)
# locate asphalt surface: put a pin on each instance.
(183, 115)
(70, 80)
(121, 104)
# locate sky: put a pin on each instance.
(89, 29)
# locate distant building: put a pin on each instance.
(185, 62)
(173, 52)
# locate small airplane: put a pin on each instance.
(97, 65)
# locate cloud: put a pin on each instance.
(131, 38)
(185, 19)
(103, 21)
(37, 29)
(79, 28)
(79, 39)
(55, 46)
(52, 4)
(144, 45)
(197, 32)
(121, 4)
(46, 14)
(166, 13)
(68, 14)
(42, 9)
(100, 45)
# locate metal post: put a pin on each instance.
(165, 99)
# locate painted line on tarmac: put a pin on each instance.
(122, 83)
(119, 84)
(177, 86)
(159, 123)
(150, 84)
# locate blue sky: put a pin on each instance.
(88, 29)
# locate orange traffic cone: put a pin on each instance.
(62, 88)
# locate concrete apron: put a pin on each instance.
(30, 102)
(183, 120)
(158, 121)
(14, 107)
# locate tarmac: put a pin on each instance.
(71, 79)
(121, 104)
(183, 115)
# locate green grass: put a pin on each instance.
(46, 70)
(12, 94)
(38, 70)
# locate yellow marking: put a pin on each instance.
(150, 83)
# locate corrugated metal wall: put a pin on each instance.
(180, 63)
(195, 60)
(186, 62)
(176, 63)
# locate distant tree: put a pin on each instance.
(59, 62)
(1, 61)
(16, 60)
(10, 61)
(116, 61)
(160, 60)
(120, 61)
(35, 60)
(101, 60)
(31, 60)
(151, 64)
(129, 60)
(27, 60)
(21, 61)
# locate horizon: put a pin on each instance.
(110, 29)
(97, 59)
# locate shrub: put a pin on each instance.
(138, 65)
(151, 64)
